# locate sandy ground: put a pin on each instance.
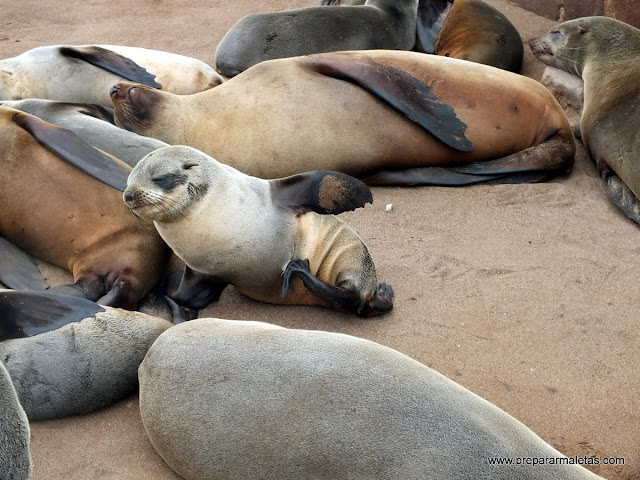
(525, 294)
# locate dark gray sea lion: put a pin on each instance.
(69, 356)
(85, 73)
(237, 400)
(404, 118)
(92, 123)
(379, 24)
(605, 53)
(15, 457)
(276, 241)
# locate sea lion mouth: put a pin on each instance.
(149, 204)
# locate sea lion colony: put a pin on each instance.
(299, 207)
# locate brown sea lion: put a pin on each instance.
(256, 234)
(467, 29)
(85, 73)
(387, 117)
(240, 399)
(388, 24)
(605, 53)
(59, 214)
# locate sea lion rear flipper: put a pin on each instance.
(622, 196)
(30, 313)
(431, 17)
(320, 191)
(68, 146)
(197, 290)
(339, 297)
(438, 176)
(112, 62)
(18, 269)
(400, 90)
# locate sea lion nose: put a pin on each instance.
(128, 195)
(115, 89)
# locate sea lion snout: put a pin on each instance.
(128, 196)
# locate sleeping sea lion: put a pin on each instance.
(85, 73)
(93, 123)
(238, 400)
(264, 237)
(387, 117)
(70, 356)
(605, 53)
(60, 214)
(380, 24)
(15, 456)
(467, 29)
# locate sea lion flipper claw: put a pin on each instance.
(31, 313)
(18, 269)
(399, 89)
(71, 148)
(321, 191)
(112, 62)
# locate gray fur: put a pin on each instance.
(82, 366)
(227, 399)
(122, 144)
(15, 458)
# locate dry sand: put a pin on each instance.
(525, 294)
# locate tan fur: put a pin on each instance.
(272, 120)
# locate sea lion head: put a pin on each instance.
(135, 105)
(566, 46)
(166, 182)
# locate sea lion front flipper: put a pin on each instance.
(339, 297)
(18, 269)
(622, 196)
(100, 112)
(320, 191)
(26, 314)
(397, 88)
(112, 62)
(71, 148)
(431, 17)
(197, 290)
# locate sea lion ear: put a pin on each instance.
(71, 148)
(112, 62)
(322, 192)
(581, 29)
(29, 313)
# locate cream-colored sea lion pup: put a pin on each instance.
(70, 356)
(85, 73)
(387, 117)
(605, 53)
(223, 399)
(15, 456)
(258, 235)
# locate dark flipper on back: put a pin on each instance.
(320, 191)
(71, 148)
(431, 17)
(197, 290)
(100, 112)
(112, 62)
(341, 298)
(400, 90)
(622, 196)
(24, 314)
(18, 269)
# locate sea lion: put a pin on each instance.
(380, 24)
(605, 53)
(60, 214)
(348, 112)
(467, 29)
(85, 73)
(256, 234)
(76, 356)
(93, 123)
(15, 435)
(239, 399)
